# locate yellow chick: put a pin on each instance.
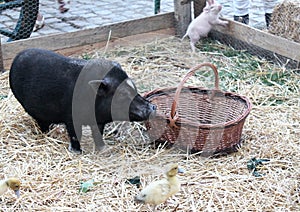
(12, 183)
(159, 191)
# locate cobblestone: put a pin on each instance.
(85, 14)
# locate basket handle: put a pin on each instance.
(173, 115)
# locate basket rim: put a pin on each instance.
(235, 121)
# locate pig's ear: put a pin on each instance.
(208, 2)
(116, 64)
(99, 86)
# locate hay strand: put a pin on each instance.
(51, 175)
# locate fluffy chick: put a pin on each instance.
(12, 183)
(159, 191)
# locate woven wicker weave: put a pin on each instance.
(196, 118)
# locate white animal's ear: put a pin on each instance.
(206, 8)
(212, 2)
(98, 86)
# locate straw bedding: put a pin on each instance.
(51, 175)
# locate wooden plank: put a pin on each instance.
(90, 36)
(182, 13)
(261, 39)
(128, 41)
(1, 58)
(132, 40)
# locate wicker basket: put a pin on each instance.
(196, 118)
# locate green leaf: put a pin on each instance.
(86, 56)
(252, 166)
(85, 186)
(3, 97)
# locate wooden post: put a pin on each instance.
(198, 7)
(1, 58)
(182, 12)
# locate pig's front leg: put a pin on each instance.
(97, 131)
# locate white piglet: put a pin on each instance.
(202, 25)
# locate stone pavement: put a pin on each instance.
(85, 14)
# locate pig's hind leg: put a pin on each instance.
(97, 131)
(44, 126)
(193, 40)
(193, 44)
(75, 136)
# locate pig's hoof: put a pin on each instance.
(76, 151)
(100, 148)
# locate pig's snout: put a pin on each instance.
(220, 7)
(153, 110)
(150, 112)
(141, 109)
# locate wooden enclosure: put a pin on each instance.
(239, 36)
(260, 43)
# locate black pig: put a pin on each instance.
(56, 89)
